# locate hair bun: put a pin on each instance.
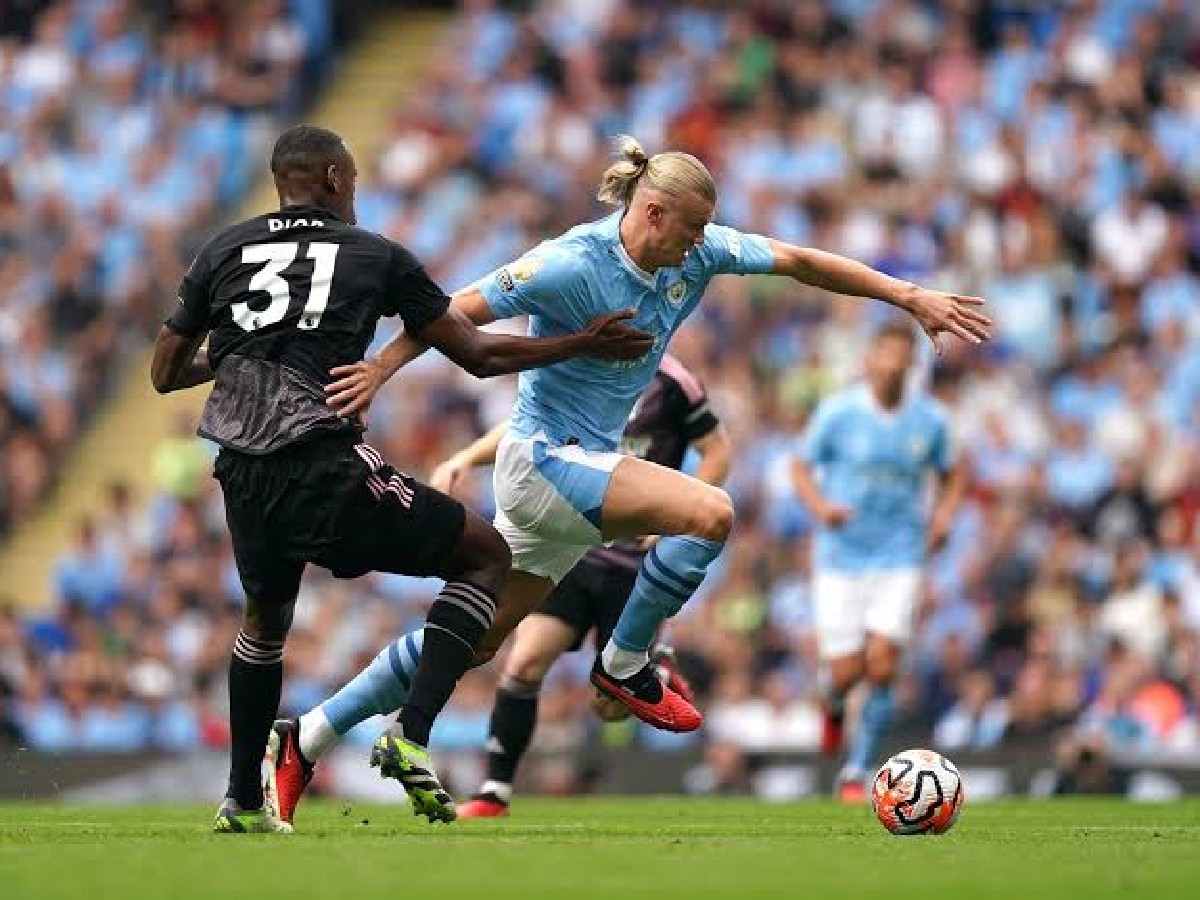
(628, 147)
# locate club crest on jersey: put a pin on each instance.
(676, 291)
(917, 446)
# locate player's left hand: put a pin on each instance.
(355, 387)
(941, 313)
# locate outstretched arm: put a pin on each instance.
(936, 311)
(482, 353)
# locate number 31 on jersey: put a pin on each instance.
(274, 259)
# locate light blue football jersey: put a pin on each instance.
(876, 462)
(564, 283)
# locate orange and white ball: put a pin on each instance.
(917, 792)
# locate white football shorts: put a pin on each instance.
(848, 605)
(548, 502)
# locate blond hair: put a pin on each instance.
(674, 173)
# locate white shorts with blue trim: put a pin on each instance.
(548, 502)
(849, 605)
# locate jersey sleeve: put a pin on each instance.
(190, 316)
(411, 294)
(727, 251)
(817, 442)
(540, 282)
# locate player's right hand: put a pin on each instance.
(449, 475)
(608, 337)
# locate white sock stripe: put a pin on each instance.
(257, 657)
(483, 616)
(474, 591)
(251, 648)
(250, 655)
(460, 589)
(487, 610)
(258, 643)
(457, 637)
(248, 646)
(468, 607)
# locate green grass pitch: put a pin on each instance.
(615, 848)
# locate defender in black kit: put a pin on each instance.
(268, 310)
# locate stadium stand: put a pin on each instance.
(1066, 607)
(125, 132)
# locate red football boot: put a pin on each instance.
(649, 699)
(288, 772)
(832, 732)
(852, 791)
(663, 658)
(483, 806)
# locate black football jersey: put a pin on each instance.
(285, 297)
(672, 412)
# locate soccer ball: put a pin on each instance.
(917, 792)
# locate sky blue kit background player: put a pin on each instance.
(863, 471)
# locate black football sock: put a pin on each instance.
(457, 622)
(511, 728)
(255, 679)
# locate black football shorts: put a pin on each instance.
(591, 595)
(334, 502)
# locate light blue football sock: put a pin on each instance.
(874, 720)
(380, 688)
(669, 575)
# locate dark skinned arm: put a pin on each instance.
(180, 361)
(482, 353)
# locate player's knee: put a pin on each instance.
(846, 671)
(484, 654)
(881, 672)
(714, 516)
(495, 559)
(881, 661)
(485, 557)
(526, 670)
(268, 621)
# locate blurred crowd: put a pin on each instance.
(1045, 156)
(124, 129)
